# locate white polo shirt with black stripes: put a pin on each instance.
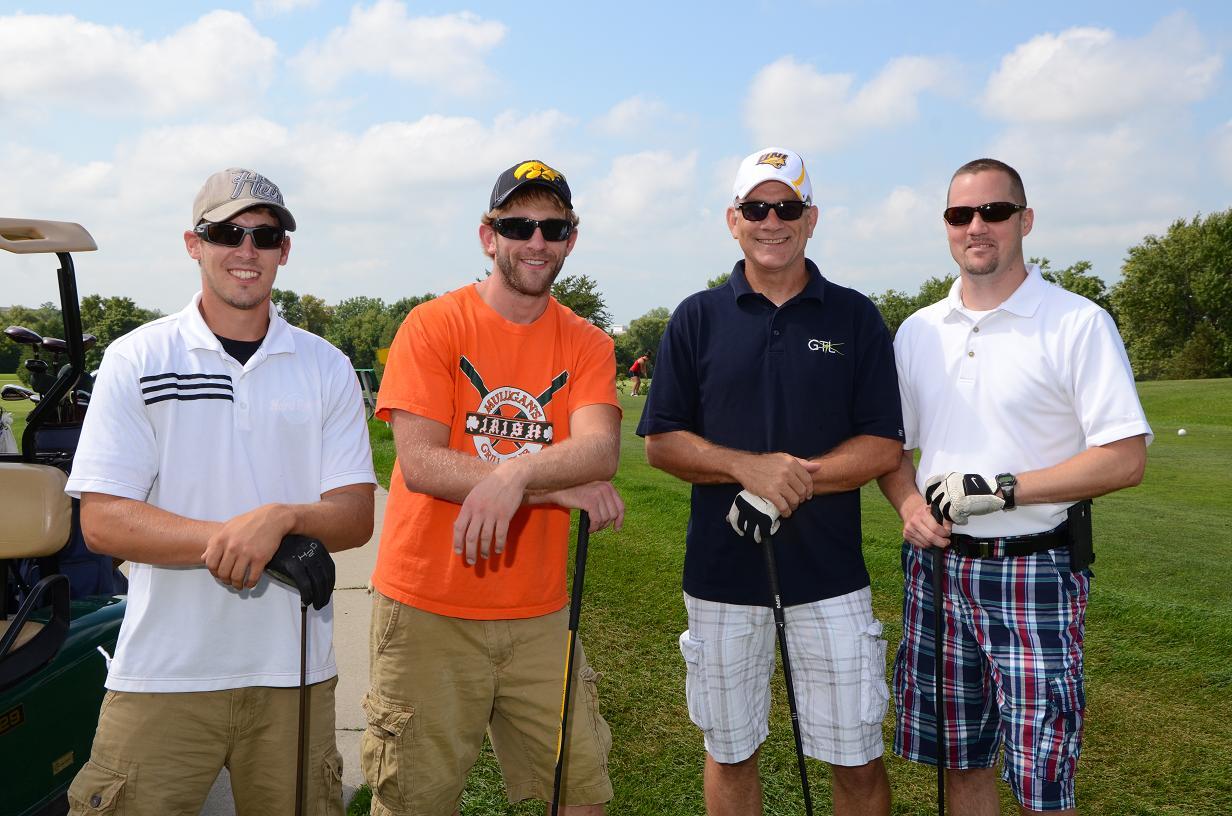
(177, 422)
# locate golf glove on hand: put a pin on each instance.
(750, 512)
(958, 496)
(303, 563)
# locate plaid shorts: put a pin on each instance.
(1012, 670)
(837, 668)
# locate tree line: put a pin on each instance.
(1173, 306)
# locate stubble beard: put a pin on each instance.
(520, 283)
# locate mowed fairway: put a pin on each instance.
(1159, 637)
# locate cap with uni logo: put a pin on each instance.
(526, 173)
(773, 164)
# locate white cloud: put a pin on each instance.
(1089, 75)
(632, 116)
(445, 51)
(791, 102)
(644, 188)
(270, 8)
(1222, 151)
(219, 60)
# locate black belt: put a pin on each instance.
(1009, 546)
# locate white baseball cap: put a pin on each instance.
(773, 164)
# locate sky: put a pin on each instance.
(386, 123)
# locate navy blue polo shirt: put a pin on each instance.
(800, 378)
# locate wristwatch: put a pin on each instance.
(1007, 482)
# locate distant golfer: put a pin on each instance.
(781, 383)
(504, 413)
(1020, 399)
(212, 433)
(639, 369)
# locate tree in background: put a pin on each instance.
(643, 335)
(1175, 301)
(896, 306)
(110, 318)
(581, 294)
(1079, 279)
(718, 281)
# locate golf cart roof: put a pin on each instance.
(28, 235)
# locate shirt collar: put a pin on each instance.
(814, 287)
(197, 335)
(1022, 302)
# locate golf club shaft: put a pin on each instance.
(780, 624)
(938, 670)
(303, 708)
(575, 612)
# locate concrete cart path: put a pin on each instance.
(352, 612)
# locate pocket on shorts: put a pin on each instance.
(1060, 736)
(696, 683)
(331, 782)
(603, 733)
(383, 748)
(97, 789)
(874, 693)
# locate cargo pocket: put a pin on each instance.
(331, 783)
(1060, 735)
(603, 734)
(383, 748)
(874, 693)
(696, 684)
(97, 789)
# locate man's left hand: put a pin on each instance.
(750, 512)
(958, 496)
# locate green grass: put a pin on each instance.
(1159, 632)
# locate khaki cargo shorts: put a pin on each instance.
(438, 683)
(158, 754)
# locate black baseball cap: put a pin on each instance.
(526, 173)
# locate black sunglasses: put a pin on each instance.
(759, 210)
(523, 229)
(227, 234)
(993, 213)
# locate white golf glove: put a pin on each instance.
(750, 512)
(959, 496)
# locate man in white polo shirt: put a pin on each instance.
(212, 434)
(1020, 399)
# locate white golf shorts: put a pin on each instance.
(837, 666)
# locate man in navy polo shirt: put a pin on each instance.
(780, 383)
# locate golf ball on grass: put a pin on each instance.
(1181, 432)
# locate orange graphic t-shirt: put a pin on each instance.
(504, 389)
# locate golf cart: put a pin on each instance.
(53, 629)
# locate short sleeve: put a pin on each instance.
(419, 374)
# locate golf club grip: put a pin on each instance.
(939, 671)
(575, 612)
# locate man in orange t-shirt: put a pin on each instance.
(504, 414)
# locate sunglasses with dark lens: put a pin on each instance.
(993, 213)
(759, 210)
(227, 234)
(523, 229)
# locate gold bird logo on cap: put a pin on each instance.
(534, 169)
(775, 160)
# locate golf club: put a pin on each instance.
(575, 611)
(290, 581)
(938, 663)
(780, 624)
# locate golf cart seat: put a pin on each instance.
(38, 520)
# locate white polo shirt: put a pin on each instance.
(177, 422)
(1027, 385)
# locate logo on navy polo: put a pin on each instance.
(825, 346)
(509, 421)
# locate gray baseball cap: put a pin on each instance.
(229, 192)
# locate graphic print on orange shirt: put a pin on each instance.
(509, 421)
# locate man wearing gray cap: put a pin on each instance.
(212, 434)
(504, 414)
